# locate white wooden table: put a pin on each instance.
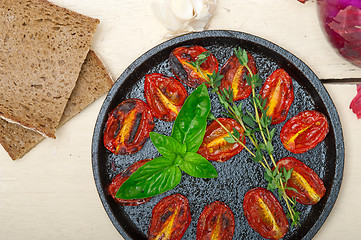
(50, 193)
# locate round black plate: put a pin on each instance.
(239, 174)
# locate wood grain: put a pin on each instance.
(50, 193)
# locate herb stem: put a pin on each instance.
(239, 120)
(231, 107)
(264, 159)
(291, 212)
(234, 137)
(260, 126)
(280, 185)
(231, 110)
(257, 115)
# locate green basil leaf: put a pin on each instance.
(167, 146)
(153, 178)
(197, 166)
(190, 125)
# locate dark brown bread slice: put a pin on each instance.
(93, 81)
(42, 49)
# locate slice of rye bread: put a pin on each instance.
(42, 49)
(93, 81)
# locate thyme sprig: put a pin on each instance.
(252, 123)
(200, 60)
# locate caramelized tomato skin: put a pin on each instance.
(128, 127)
(278, 90)
(304, 131)
(234, 76)
(214, 147)
(119, 179)
(170, 218)
(165, 96)
(216, 222)
(179, 62)
(309, 186)
(265, 214)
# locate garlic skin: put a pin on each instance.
(182, 16)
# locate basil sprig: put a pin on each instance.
(179, 152)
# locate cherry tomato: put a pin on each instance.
(216, 222)
(119, 179)
(265, 214)
(278, 90)
(165, 96)
(170, 218)
(128, 127)
(309, 186)
(304, 131)
(234, 77)
(179, 62)
(214, 147)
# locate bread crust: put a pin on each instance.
(94, 80)
(42, 49)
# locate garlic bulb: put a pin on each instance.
(182, 16)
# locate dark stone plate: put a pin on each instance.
(239, 174)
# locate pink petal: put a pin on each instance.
(347, 24)
(355, 105)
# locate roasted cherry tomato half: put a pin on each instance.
(214, 147)
(170, 218)
(265, 214)
(216, 222)
(234, 77)
(304, 131)
(309, 186)
(128, 127)
(119, 179)
(165, 96)
(179, 62)
(278, 90)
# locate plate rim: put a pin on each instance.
(316, 83)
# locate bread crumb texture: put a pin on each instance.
(93, 82)
(42, 49)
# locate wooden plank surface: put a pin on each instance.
(50, 193)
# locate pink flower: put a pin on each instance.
(356, 103)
